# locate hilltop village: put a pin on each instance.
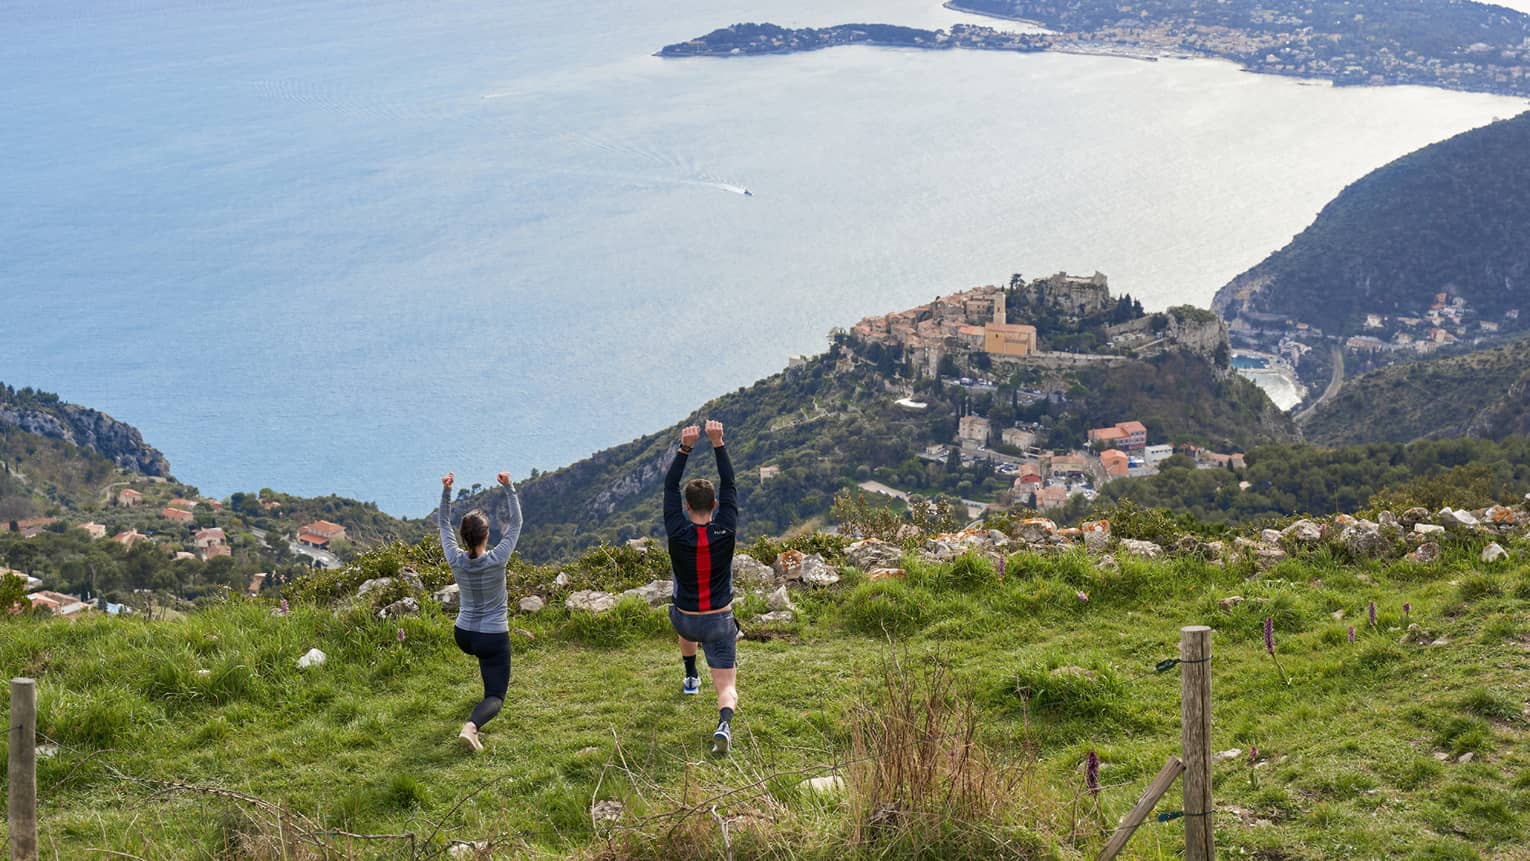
(1023, 341)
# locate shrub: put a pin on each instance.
(1490, 703)
(1465, 734)
(404, 792)
(1478, 586)
(969, 573)
(920, 783)
(629, 621)
(1080, 700)
(887, 608)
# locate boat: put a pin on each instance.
(748, 193)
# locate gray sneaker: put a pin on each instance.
(722, 739)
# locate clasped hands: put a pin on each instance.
(691, 433)
(446, 480)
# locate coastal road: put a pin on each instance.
(1335, 383)
(973, 506)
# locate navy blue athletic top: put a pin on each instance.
(702, 556)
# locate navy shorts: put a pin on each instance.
(716, 632)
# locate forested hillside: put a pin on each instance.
(1451, 218)
(1485, 393)
(1286, 480)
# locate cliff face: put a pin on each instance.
(45, 415)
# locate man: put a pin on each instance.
(702, 525)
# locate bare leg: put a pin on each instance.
(725, 681)
(687, 648)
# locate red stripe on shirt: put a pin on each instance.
(703, 570)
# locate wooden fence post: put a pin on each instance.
(22, 765)
(1195, 705)
(1145, 805)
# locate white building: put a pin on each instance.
(1156, 454)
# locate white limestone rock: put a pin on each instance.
(590, 601)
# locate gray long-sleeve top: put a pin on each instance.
(484, 604)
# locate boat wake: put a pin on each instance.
(671, 166)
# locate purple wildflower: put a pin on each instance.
(1372, 611)
(1269, 634)
(1352, 634)
(1083, 597)
(1407, 608)
(1253, 754)
(401, 635)
(1001, 567)
(1092, 773)
(284, 606)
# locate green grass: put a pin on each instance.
(1348, 750)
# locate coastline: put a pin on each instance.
(955, 7)
(1277, 378)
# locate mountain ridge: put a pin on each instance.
(1451, 218)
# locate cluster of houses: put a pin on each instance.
(1448, 320)
(1048, 479)
(207, 543)
(59, 603)
(966, 322)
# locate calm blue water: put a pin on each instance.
(347, 246)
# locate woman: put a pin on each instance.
(483, 615)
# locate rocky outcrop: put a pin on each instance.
(590, 601)
(45, 415)
(655, 593)
(871, 553)
(748, 571)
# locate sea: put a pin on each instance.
(345, 247)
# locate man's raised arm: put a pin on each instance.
(674, 512)
(727, 490)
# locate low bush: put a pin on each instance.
(628, 622)
(887, 608)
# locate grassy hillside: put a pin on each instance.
(1452, 217)
(1485, 393)
(185, 739)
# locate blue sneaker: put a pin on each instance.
(722, 739)
(691, 686)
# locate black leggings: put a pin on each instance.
(493, 654)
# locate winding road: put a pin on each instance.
(1335, 383)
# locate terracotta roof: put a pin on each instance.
(1133, 427)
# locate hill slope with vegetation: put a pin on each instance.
(45, 414)
(1281, 481)
(1485, 393)
(1453, 218)
(834, 422)
(966, 738)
